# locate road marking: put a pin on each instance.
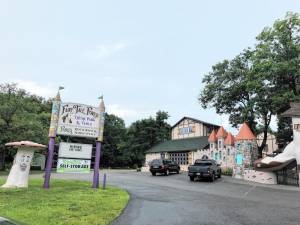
(250, 189)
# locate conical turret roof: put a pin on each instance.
(245, 133)
(229, 139)
(212, 137)
(221, 133)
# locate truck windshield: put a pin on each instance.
(203, 163)
(156, 162)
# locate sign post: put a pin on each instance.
(98, 144)
(75, 120)
(52, 135)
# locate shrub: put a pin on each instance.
(227, 171)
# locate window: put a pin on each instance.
(216, 156)
(201, 163)
(220, 144)
(220, 154)
(224, 159)
(180, 158)
(185, 130)
(228, 151)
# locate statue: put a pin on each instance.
(18, 175)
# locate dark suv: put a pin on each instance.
(164, 166)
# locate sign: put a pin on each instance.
(73, 166)
(74, 150)
(78, 120)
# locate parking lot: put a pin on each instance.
(175, 200)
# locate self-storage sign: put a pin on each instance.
(73, 166)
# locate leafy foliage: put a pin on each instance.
(258, 83)
(22, 116)
(144, 134)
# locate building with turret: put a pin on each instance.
(189, 141)
(195, 139)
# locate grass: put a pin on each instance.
(6, 172)
(66, 202)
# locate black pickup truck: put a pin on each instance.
(204, 169)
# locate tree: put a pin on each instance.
(226, 90)
(114, 142)
(279, 47)
(22, 117)
(260, 83)
(145, 133)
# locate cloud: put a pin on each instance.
(128, 114)
(105, 51)
(33, 87)
(121, 112)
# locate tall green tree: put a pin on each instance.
(114, 141)
(278, 49)
(22, 116)
(145, 133)
(260, 83)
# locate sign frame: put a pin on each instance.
(75, 150)
(78, 120)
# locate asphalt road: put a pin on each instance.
(174, 200)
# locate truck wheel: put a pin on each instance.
(153, 174)
(220, 174)
(177, 171)
(192, 178)
(167, 173)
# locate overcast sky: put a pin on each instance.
(144, 56)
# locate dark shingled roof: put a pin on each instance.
(293, 111)
(196, 120)
(179, 145)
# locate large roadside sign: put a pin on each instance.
(78, 120)
(73, 165)
(75, 150)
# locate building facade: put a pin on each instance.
(189, 141)
(194, 139)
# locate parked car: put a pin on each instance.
(164, 166)
(204, 169)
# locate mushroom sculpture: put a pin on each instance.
(18, 175)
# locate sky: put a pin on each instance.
(143, 56)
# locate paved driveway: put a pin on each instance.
(175, 200)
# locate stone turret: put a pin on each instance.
(246, 151)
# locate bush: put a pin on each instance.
(227, 171)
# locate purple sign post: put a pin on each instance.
(98, 144)
(52, 135)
